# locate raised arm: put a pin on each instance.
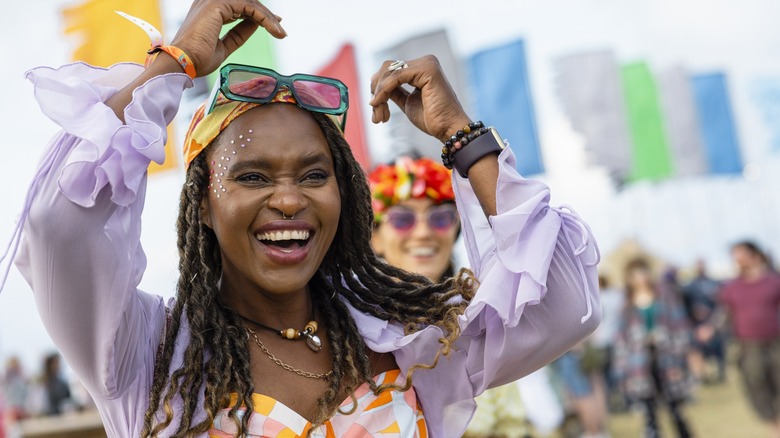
(433, 108)
(536, 264)
(80, 250)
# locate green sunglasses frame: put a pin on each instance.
(221, 86)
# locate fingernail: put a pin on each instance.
(279, 28)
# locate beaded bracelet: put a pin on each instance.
(178, 54)
(459, 140)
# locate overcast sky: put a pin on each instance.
(741, 38)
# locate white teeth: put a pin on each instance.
(276, 236)
(422, 251)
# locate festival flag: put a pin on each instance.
(257, 50)
(717, 123)
(682, 122)
(590, 90)
(765, 95)
(502, 96)
(651, 157)
(105, 38)
(344, 68)
(406, 138)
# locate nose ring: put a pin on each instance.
(287, 217)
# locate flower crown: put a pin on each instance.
(409, 179)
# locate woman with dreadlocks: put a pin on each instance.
(285, 322)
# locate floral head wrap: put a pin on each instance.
(408, 178)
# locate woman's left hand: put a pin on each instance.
(432, 106)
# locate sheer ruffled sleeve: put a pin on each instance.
(538, 292)
(80, 227)
(537, 297)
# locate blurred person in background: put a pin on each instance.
(700, 297)
(14, 390)
(2, 418)
(581, 372)
(650, 359)
(56, 388)
(752, 303)
(415, 228)
(415, 219)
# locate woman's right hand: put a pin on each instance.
(199, 37)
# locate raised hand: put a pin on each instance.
(432, 106)
(199, 37)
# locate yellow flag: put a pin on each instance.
(105, 38)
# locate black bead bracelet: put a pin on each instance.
(459, 140)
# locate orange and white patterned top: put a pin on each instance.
(392, 413)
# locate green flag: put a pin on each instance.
(651, 156)
(258, 50)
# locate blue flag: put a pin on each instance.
(502, 95)
(717, 123)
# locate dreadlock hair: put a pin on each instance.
(217, 355)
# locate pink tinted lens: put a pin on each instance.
(401, 219)
(317, 94)
(249, 84)
(442, 218)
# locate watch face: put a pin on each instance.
(498, 138)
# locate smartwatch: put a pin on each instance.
(487, 143)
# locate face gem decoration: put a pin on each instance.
(224, 159)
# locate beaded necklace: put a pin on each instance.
(309, 333)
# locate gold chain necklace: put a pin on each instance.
(287, 367)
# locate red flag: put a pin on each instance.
(344, 68)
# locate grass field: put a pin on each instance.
(718, 411)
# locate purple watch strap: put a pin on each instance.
(486, 143)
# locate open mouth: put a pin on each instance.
(287, 240)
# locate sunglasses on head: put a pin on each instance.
(246, 83)
(440, 218)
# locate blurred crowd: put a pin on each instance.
(24, 396)
(661, 338)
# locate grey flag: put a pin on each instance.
(682, 123)
(590, 90)
(406, 138)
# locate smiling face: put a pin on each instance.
(270, 163)
(421, 249)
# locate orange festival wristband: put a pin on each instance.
(178, 54)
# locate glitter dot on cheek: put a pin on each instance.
(251, 131)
